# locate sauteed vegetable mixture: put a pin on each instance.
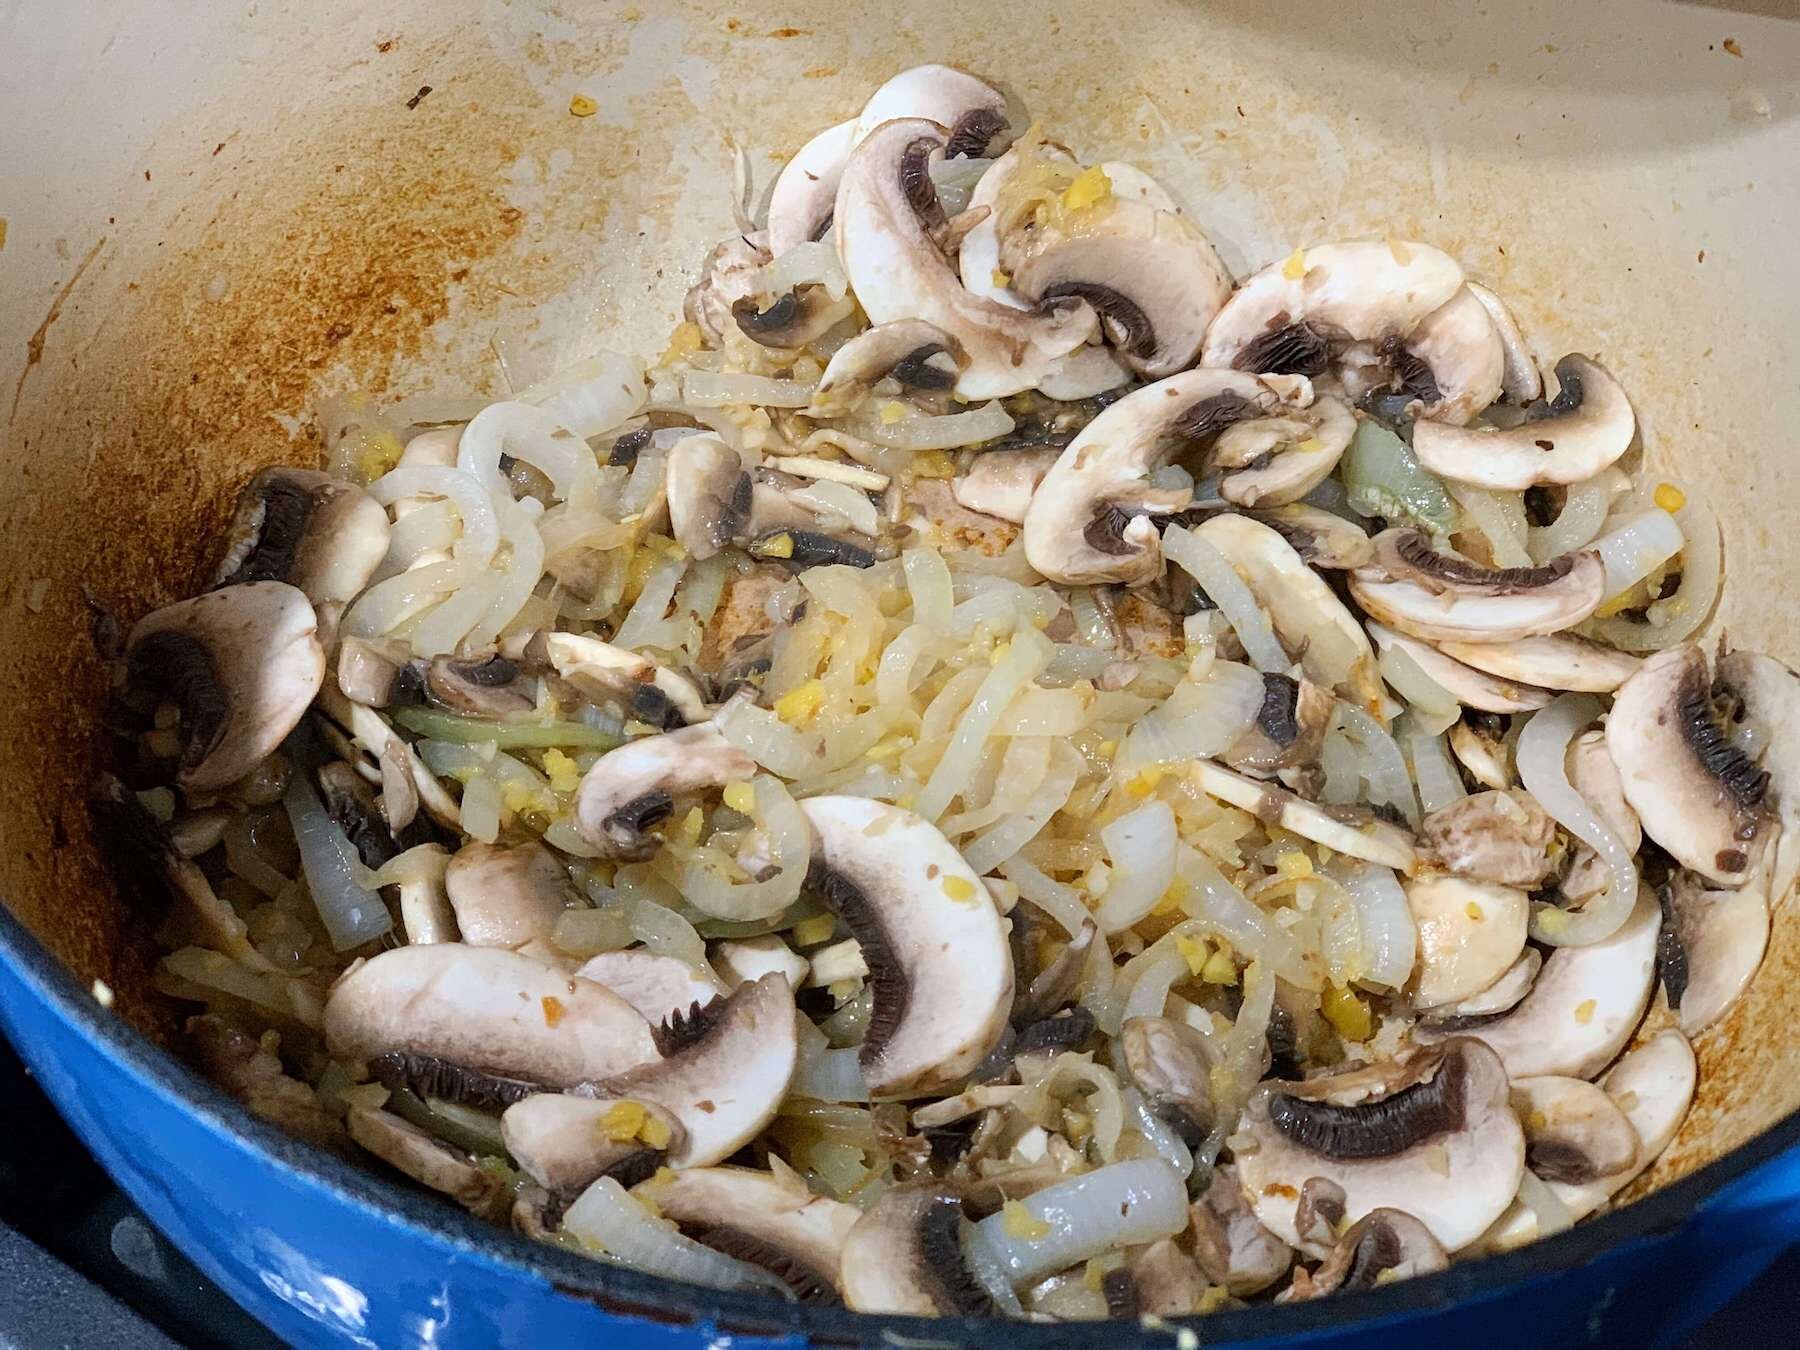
(1006, 771)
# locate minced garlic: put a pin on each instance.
(1021, 1224)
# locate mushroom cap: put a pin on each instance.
(427, 1160)
(1321, 538)
(632, 787)
(1486, 757)
(1574, 1132)
(978, 259)
(904, 1255)
(1503, 994)
(1354, 292)
(1723, 935)
(562, 1142)
(709, 494)
(1434, 1132)
(1587, 427)
(725, 1083)
(647, 691)
(1583, 1008)
(507, 895)
(940, 965)
(912, 350)
(1289, 730)
(803, 1232)
(487, 1009)
(1172, 1065)
(1498, 837)
(1460, 349)
(792, 319)
(897, 271)
(318, 533)
(1473, 688)
(1385, 1244)
(1000, 483)
(1770, 694)
(477, 686)
(1232, 1246)
(659, 987)
(1470, 933)
(805, 191)
(1421, 592)
(244, 663)
(1549, 661)
(1520, 380)
(1280, 459)
(954, 99)
(1695, 793)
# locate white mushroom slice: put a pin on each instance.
(1770, 695)
(1289, 730)
(1000, 482)
(1503, 994)
(733, 272)
(319, 534)
(425, 911)
(1280, 459)
(632, 788)
(652, 693)
(1582, 431)
(1310, 620)
(974, 112)
(484, 685)
(1487, 758)
(801, 201)
(506, 896)
(939, 962)
(564, 1142)
(1471, 687)
(1383, 1246)
(898, 272)
(1718, 940)
(1586, 1003)
(792, 319)
(1086, 372)
(770, 1220)
(1153, 278)
(1593, 774)
(1342, 829)
(1574, 1132)
(1453, 363)
(659, 987)
(1551, 661)
(1520, 381)
(242, 664)
(429, 1161)
(1434, 1132)
(1232, 1246)
(1695, 792)
(1290, 316)
(1321, 539)
(917, 354)
(1157, 1280)
(725, 1076)
(487, 1010)
(1172, 1065)
(905, 1255)
(1422, 592)
(979, 257)
(1470, 934)
(1500, 837)
(709, 495)
(740, 959)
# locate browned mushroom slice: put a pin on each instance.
(1386, 1244)
(481, 686)
(429, 1161)
(507, 895)
(905, 1255)
(1230, 1243)
(1290, 727)
(632, 789)
(317, 533)
(1711, 944)
(648, 692)
(1172, 1065)
(564, 1142)
(1574, 1132)
(1499, 837)
(240, 1063)
(1414, 588)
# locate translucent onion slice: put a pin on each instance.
(1434, 706)
(1500, 517)
(480, 534)
(1226, 589)
(607, 1219)
(787, 841)
(1200, 718)
(1059, 901)
(994, 847)
(1390, 938)
(1123, 1204)
(1149, 993)
(1019, 664)
(1673, 618)
(1157, 1133)
(353, 914)
(814, 263)
(519, 577)
(1635, 549)
(1543, 745)
(928, 582)
(831, 1076)
(1582, 517)
(528, 434)
(1383, 766)
(914, 430)
(1439, 783)
(1223, 910)
(591, 396)
(724, 389)
(1141, 845)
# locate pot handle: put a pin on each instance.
(1760, 1209)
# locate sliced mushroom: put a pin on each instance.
(1722, 936)
(975, 113)
(769, 1220)
(375, 673)
(1413, 587)
(1471, 687)
(351, 804)
(1278, 460)
(917, 354)
(1483, 750)
(652, 693)
(565, 1142)
(1593, 774)
(1586, 1003)
(430, 1078)
(1500, 996)
(1580, 432)
(317, 533)
(242, 664)
(1574, 1132)
(1172, 1065)
(249, 1070)
(1434, 1132)
(1520, 381)
(898, 271)
(1551, 661)
(1498, 837)
(631, 789)
(1450, 367)
(1292, 316)
(507, 895)
(741, 959)
(1695, 792)
(1289, 729)
(725, 1079)
(1384, 1245)
(662, 988)
(1768, 694)
(429, 1161)
(1360, 834)
(1000, 482)
(1157, 1280)
(905, 1255)
(485, 686)
(1319, 1216)
(1308, 617)
(793, 319)
(486, 1009)
(1321, 539)
(709, 494)
(939, 962)
(1470, 933)
(1230, 1243)
(732, 272)
(978, 260)
(800, 203)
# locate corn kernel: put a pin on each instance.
(1295, 266)
(819, 928)
(1195, 952)
(776, 546)
(961, 889)
(1584, 1011)
(892, 412)
(1669, 497)
(1347, 1013)
(740, 797)
(1090, 187)
(1021, 1224)
(1294, 865)
(623, 1121)
(1473, 910)
(553, 1009)
(801, 703)
(582, 106)
(933, 464)
(1220, 969)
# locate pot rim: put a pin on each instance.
(627, 1293)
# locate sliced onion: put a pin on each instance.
(606, 1217)
(982, 1260)
(814, 263)
(787, 844)
(1223, 910)
(1542, 751)
(831, 1076)
(1340, 929)
(1226, 589)
(1026, 655)
(1635, 549)
(1200, 718)
(828, 500)
(353, 914)
(1005, 608)
(1384, 767)
(480, 527)
(1060, 902)
(723, 389)
(591, 396)
(1010, 834)
(1389, 935)
(528, 434)
(915, 430)
(1582, 516)
(955, 180)
(1016, 773)
(519, 578)
(1123, 1204)
(1157, 1134)
(1242, 1064)
(1541, 1199)
(1141, 845)
(481, 807)
(1673, 618)
(1341, 763)
(1149, 993)
(1500, 517)
(1439, 783)
(905, 662)
(796, 754)
(644, 621)
(1045, 712)
(1433, 706)
(928, 582)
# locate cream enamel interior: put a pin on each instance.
(212, 223)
